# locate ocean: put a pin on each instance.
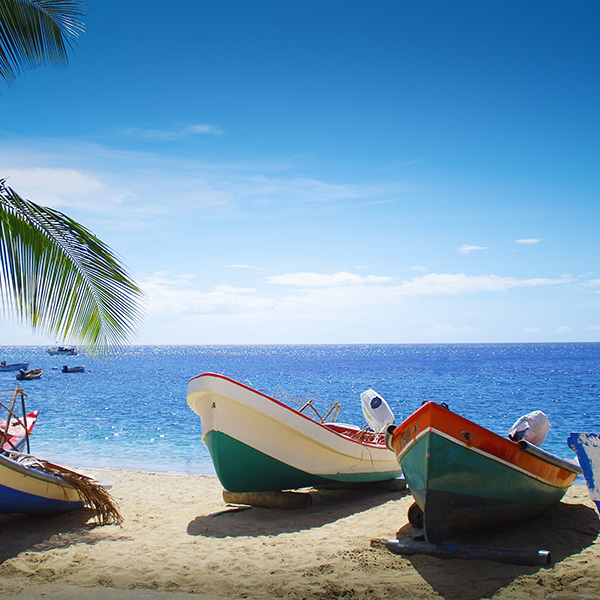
(130, 412)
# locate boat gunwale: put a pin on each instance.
(485, 454)
(10, 463)
(378, 445)
(557, 463)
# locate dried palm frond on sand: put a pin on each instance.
(91, 492)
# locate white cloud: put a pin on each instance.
(250, 268)
(225, 288)
(418, 268)
(328, 293)
(331, 294)
(460, 283)
(61, 188)
(466, 248)
(563, 329)
(320, 280)
(150, 186)
(211, 129)
(451, 331)
(174, 296)
(175, 133)
(529, 241)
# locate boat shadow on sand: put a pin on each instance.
(564, 530)
(327, 506)
(21, 533)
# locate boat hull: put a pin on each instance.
(587, 447)
(464, 476)
(14, 366)
(62, 352)
(77, 369)
(26, 490)
(28, 375)
(259, 444)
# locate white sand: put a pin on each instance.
(169, 546)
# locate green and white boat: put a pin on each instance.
(464, 476)
(260, 444)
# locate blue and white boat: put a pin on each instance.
(28, 487)
(587, 447)
(32, 486)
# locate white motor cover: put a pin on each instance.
(376, 410)
(532, 427)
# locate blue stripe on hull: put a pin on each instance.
(14, 501)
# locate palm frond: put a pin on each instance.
(37, 32)
(61, 279)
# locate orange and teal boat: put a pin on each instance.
(464, 476)
(260, 444)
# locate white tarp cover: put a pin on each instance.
(532, 427)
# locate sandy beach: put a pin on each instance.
(180, 540)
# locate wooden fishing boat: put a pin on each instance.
(32, 486)
(260, 444)
(27, 488)
(13, 366)
(463, 476)
(587, 447)
(23, 375)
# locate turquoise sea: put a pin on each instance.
(130, 411)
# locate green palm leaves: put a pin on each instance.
(55, 274)
(36, 32)
(60, 278)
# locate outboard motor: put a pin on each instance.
(376, 410)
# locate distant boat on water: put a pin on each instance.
(4, 366)
(62, 351)
(76, 369)
(23, 375)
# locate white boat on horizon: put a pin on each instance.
(4, 366)
(62, 351)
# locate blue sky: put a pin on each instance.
(329, 171)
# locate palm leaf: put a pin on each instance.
(61, 279)
(37, 32)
